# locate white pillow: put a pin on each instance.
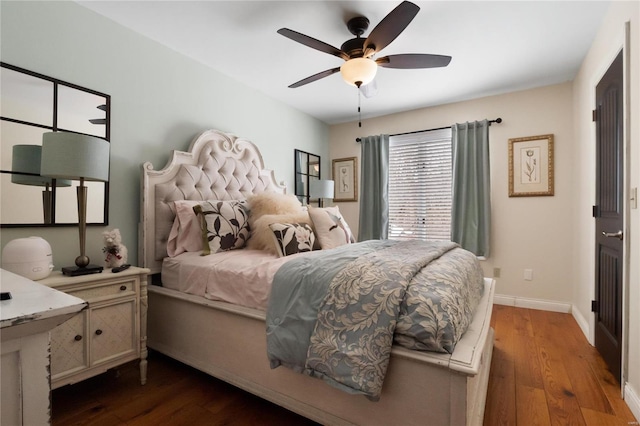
(331, 228)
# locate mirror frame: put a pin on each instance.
(54, 127)
(303, 174)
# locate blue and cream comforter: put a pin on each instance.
(335, 314)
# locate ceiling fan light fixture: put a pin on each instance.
(359, 71)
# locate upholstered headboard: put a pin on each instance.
(218, 166)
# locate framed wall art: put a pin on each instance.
(345, 176)
(531, 166)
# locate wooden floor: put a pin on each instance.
(543, 373)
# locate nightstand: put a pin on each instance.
(110, 332)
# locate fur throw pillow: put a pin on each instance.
(269, 203)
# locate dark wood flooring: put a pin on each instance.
(543, 373)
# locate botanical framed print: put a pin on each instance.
(345, 176)
(531, 166)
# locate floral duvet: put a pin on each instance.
(334, 314)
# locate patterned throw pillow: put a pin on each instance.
(262, 235)
(330, 226)
(292, 238)
(225, 225)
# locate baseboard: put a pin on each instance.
(539, 304)
(632, 399)
(582, 323)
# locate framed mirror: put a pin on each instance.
(32, 104)
(307, 169)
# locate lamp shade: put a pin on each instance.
(321, 189)
(74, 156)
(359, 70)
(26, 159)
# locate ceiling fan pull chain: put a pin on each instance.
(359, 113)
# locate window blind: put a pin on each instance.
(420, 186)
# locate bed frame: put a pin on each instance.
(229, 342)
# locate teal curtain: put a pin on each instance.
(374, 188)
(471, 201)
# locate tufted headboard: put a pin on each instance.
(218, 166)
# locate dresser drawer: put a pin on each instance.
(108, 290)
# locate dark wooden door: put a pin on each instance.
(609, 216)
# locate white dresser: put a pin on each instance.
(110, 332)
(26, 320)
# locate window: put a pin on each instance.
(420, 186)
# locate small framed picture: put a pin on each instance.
(531, 166)
(345, 177)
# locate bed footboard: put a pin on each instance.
(229, 343)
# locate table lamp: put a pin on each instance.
(25, 163)
(80, 157)
(321, 189)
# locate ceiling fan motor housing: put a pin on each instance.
(353, 47)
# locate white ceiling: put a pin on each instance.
(497, 46)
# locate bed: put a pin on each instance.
(228, 340)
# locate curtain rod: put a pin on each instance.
(497, 120)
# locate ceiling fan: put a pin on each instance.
(99, 120)
(359, 68)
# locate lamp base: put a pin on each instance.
(74, 271)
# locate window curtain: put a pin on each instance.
(471, 204)
(374, 184)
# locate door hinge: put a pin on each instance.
(595, 211)
(594, 115)
(594, 306)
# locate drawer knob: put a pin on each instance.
(98, 332)
(123, 287)
(77, 338)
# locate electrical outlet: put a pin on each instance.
(528, 274)
(496, 272)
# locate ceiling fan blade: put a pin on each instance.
(315, 77)
(313, 43)
(413, 61)
(369, 90)
(390, 27)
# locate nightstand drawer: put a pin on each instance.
(118, 289)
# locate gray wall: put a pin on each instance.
(160, 101)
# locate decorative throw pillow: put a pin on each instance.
(270, 203)
(331, 228)
(225, 225)
(261, 235)
(292, 238)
